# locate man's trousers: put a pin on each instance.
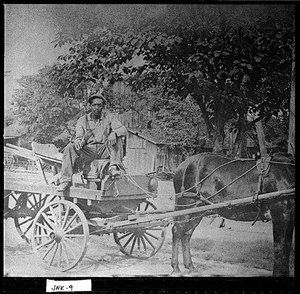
(88, 153)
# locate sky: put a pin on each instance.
(28, 32)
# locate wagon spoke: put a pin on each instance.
(14, 197)
(147, 239)
(156, 238)
(65, 251)
(41, 236)
(26, 221)
(73, 242)
(147, 206)
(73, 228)
(34, 197)
(54, 253)
(133, 243)
(44, 227)
(59, 254)
(48, 221)
(43, 201)
(58, 215)
(66, 217)
(144, 243)
(125, 245)
(124, 236)
(70, 250)
(46, 243)
(29, 201)
(71, 221)
(28, 228)
(54, 215)
(139, 243)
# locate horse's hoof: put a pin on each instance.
(193, 273)
(176, 273)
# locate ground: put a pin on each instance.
(235, 250)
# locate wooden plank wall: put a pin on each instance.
(140, 155)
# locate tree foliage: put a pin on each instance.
(228, 70)
(232, 60)
(45, 111)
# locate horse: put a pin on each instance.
(208, 178)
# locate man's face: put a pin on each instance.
(97, 106)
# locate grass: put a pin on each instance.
(258, 254)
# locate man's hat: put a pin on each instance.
(90, 99)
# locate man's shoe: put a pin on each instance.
(114, 172)
(64, 186)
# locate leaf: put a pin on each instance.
(151, 44)
(257, 59)
(249, 66)
(282, 61)
(178, 39)
(217, 53)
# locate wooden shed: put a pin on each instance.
(146, 153)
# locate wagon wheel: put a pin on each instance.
(142, 242)
(59, 236)
(23, 208)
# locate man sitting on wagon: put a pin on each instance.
(98, 136)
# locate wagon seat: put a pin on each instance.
(97, 171)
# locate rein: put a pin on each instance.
(260, 165)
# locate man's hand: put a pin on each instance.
(112, 139)
(78, 143)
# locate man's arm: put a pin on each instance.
(117, 127)
(117, 130)
(80, 133)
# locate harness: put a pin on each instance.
(262, 165)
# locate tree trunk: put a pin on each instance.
(261, 138)
(240, 145)
(218, 139)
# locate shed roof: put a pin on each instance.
(155, 138)
(148, 135)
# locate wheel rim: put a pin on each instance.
(30, 203)
(143, 242)
(23, 207)
(60, 234)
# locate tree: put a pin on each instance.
(228, 72)
(229, 67)
(44, 110)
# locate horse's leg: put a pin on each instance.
(283, 220)
(176, 236)
(186, 248)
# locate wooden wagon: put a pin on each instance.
(58, 225)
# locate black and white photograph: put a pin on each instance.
(149, 140)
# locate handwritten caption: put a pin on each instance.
(68, 286)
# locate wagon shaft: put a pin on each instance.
(160, 218)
